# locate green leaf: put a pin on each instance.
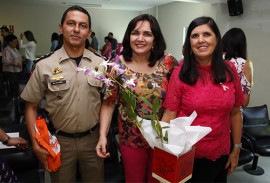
(149, 116)
(156, 105)
(146, 102)
(165, 138)
(129, 98)
(130, 113)
(164, 127)
(153, 123)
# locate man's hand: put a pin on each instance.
(42, 155)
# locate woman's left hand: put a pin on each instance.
(232, 162)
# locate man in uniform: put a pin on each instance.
(72, 101)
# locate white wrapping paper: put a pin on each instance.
(181, 136)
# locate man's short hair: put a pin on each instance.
(76, 8)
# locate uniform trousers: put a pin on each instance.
(81, 153)
(137, 164)
(207, 171)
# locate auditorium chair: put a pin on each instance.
(256, 135)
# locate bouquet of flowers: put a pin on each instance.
(176, 137)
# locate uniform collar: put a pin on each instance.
(64, 56)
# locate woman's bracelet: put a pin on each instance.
(237, 145)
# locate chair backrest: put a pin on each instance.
(9, 111)
(257, 115)
(256, 121)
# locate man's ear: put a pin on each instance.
(90, 33)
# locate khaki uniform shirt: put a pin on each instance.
(73, 99)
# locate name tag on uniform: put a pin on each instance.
(59, 82)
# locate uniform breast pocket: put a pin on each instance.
(58, 92)
(94, 82)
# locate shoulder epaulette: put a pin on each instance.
(97, 54)
(43, 57)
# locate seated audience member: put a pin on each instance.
(6, 174)
(106, 50)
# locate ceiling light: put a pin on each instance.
(82, 4)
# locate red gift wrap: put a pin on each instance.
(171, 168)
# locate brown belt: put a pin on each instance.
(76, 135)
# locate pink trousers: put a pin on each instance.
(137, 164)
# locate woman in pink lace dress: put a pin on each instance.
(204, 83)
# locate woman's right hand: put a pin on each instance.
(101, 147)
(42, 155)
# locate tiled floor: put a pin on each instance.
(240, 176)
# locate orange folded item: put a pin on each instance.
(48, 142)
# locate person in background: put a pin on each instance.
(72, 101)
(6, 174)
(204, 83)
(4, 33)
(114, 45)
(94, 42)
(3, 44)
(106, 49)
(12, 64)
(145, 62)
(54, 41)
(235, 50)
(29, 49)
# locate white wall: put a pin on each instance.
(44, 20)
(173, 17)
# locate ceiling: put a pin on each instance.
(134, 5)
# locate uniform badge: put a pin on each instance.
(56, 71)
(56, 80)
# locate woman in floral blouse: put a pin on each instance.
(146, 69)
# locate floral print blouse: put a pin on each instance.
(239, 64)
(149, 86)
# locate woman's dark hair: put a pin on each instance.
(159, 43)
(54, 36)
(29, 36)
(189, 73)
(234, 44)
(76, 8)
(10, 38)
(107, 38)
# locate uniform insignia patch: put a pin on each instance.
(56, 71)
